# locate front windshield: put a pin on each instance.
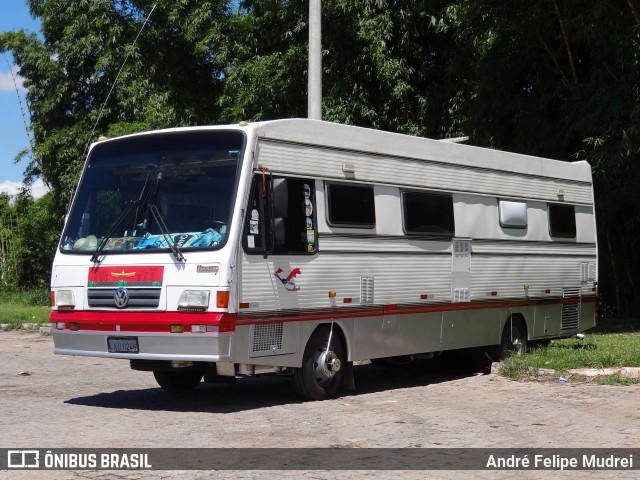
(132, 186)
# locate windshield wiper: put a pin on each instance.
(116, 223)
(144, 194)
(165, 232)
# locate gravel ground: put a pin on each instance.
(52, 401)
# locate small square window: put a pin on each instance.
(562, 220)
(428, 213)
(350, 205)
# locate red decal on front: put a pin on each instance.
(126, 276)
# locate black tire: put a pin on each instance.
(322, 369)
(514, 338)
(178, 381)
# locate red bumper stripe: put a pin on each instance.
(143, 321)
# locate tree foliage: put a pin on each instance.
(554, 78)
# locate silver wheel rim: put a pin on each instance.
(325, 365)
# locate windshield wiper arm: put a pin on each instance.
(165, 232)
(116, 223)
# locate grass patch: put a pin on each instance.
(18, 307)
(615, 380)
(615, 343)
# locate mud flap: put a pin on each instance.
(348, 382)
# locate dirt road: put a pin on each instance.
(51, 401)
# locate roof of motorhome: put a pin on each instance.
(346, 137)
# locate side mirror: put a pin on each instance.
(280, 197)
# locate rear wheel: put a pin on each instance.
(322, 370)
(178, 381)
(514, 338)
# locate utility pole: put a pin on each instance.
(314, 89)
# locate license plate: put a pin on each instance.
(123, 344)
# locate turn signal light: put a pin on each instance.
(177, 328)
(222, 299)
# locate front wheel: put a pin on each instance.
(514, 338)
(178, 381)
(320, 375)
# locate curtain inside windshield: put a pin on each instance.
(151, 191)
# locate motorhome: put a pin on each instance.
(300, 246)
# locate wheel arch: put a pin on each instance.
(520, 317)
(340, 330)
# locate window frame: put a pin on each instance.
(265, 217)
(328, 205)
(504, 201)
(573, 230)
(404, 194)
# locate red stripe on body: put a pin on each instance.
(142, 321)
(227, 322)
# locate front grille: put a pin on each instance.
(138, 297)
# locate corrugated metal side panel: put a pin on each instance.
(502, 247)
(398, 279)
(508, 275)
(380, 244)
(327, 163)
(346, 137)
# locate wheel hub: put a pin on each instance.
(327, 365)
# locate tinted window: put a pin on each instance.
(186, 180)
(297, 225)
(350, 206)
(428, 213)
(562, 220)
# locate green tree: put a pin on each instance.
(164, 78)
(385, 65)
(71, 72)
(33, 247)
(561, 79)
(555, 78)
(8, 238)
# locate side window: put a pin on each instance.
(513, 214)
(280, 216)
(350, 205)
(562, 220)
(427, 213)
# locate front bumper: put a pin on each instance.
(193, 347)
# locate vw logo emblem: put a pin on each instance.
(121, 298)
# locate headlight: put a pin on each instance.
(65, 300)
(197, 300)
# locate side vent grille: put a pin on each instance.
(267, 337)
(570, 309)
(366, 289)
(461, 295)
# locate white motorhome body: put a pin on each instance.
(380, 244)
